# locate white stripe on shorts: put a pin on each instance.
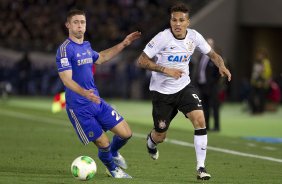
(79, 129)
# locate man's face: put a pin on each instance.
(179, 22)
(77, 26)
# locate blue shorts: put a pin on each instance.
(90, 121)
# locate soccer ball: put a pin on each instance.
(83, 168)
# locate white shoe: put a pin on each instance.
(120, 161)
(202, 174)
(118, 173)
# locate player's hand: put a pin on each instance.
(89, 94)
(173, 72)
(225, 72)
(131, 37)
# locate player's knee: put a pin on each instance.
(101, 143)
(126, 135)
(199, 121)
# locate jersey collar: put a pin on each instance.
(175, 36)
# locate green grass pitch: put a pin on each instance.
(37, 146)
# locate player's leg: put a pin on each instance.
(153, 139)
(106, 157)
(89, 130)
(190, 105)
(122, 134)
(200, 142)
(200, 135)
(104, 151)
(111, 120)
(163, 112)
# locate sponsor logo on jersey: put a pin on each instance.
(151, 44)
(84, 61)
(78, 55)
(65, 62)
(177, 58)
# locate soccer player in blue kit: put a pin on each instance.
(89, 114)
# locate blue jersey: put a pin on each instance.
(80, 59)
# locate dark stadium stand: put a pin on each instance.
(39, 25)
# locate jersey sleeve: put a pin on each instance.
(63, 58)
(155, 45)
(95, 56)
(202, 44)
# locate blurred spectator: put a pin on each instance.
(260, 81)
(24, 74)
(208, 84)
(273, 97)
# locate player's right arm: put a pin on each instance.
(145, 62)
(66, 77)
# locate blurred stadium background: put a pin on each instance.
(30, 33)
(36, 28)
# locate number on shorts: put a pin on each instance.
(114, 113)
(196, 96)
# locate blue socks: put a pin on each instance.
(106, 154)
(107, 158)
(117, 143)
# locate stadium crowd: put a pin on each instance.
(38, 25)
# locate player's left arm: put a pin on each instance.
(218, 61)
(108, 54)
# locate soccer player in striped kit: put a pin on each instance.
(168, 55)
(89, 114)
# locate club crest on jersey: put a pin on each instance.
(64, 62)
(183, 58)
(88, 52)
(190, 46)
(162, 124)
(91, 134)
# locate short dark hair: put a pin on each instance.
(74, 12)
(179, 7)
